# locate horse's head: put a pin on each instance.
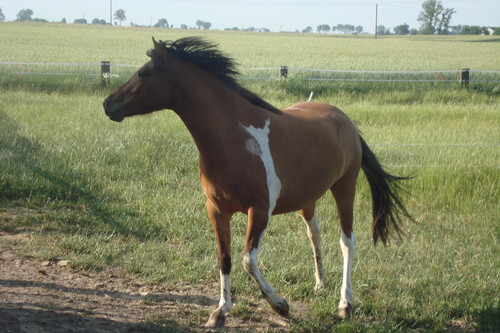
(145, 92)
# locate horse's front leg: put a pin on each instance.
(220, 223)
(257, 223)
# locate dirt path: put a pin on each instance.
(51, 297)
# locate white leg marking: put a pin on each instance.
(218, 317)
(225, 293)
(315, 237)
(250, 265)
(258, 145)
(347, 246)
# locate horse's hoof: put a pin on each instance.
(345, 312)
(216, 320)
(281, 307)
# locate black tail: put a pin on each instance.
(387, 206)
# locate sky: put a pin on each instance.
(276, 15)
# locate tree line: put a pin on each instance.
(119, 15)
(434, 20)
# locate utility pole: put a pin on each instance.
(111, 12)
(376, 19)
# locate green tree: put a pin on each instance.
(344, 28)
(24, 15)
(403, 29)
(203, 25)
(120, 15)
(382, 30)
(162, 23)
(456, 29)
(323, 28)
(2, 16)
(434, 18)
(471, 30)
(99, 21)
(307, 30)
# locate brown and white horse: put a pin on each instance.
(259, 160)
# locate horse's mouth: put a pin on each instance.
(118, 117)
(113, 111)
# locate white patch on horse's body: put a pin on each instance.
(314, 236)
(258, 145)
(347, 246)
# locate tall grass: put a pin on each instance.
(70, 43)
(125, 197)
(91, 44)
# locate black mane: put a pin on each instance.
(207, 56)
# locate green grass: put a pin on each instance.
(126, 197)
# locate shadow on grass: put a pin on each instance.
(489, 319)
(40, 185)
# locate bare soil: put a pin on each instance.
(52, 297)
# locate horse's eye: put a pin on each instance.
(142, 74)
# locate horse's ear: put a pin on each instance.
(159, 48)
(156, 44)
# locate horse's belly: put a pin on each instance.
(301, 192)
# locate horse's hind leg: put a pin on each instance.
(309, 217)
(344, 191)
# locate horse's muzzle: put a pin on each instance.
(113, 110)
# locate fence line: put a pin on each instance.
(283, 72)
(57, 74)
(49, 63)
(443, 166)
(436, 144)
(64, 64)
(258, 68)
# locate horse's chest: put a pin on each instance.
(247, 176)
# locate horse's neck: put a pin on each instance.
(213, 113)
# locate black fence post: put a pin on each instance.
(464, 77)
(283, 72)
(105, 73)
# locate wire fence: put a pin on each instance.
(124, 71)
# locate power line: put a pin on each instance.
(314, 3)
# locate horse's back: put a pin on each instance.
(328, 121)
(311, 110)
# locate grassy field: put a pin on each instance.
(125, 197)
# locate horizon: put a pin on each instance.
(277, 15)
